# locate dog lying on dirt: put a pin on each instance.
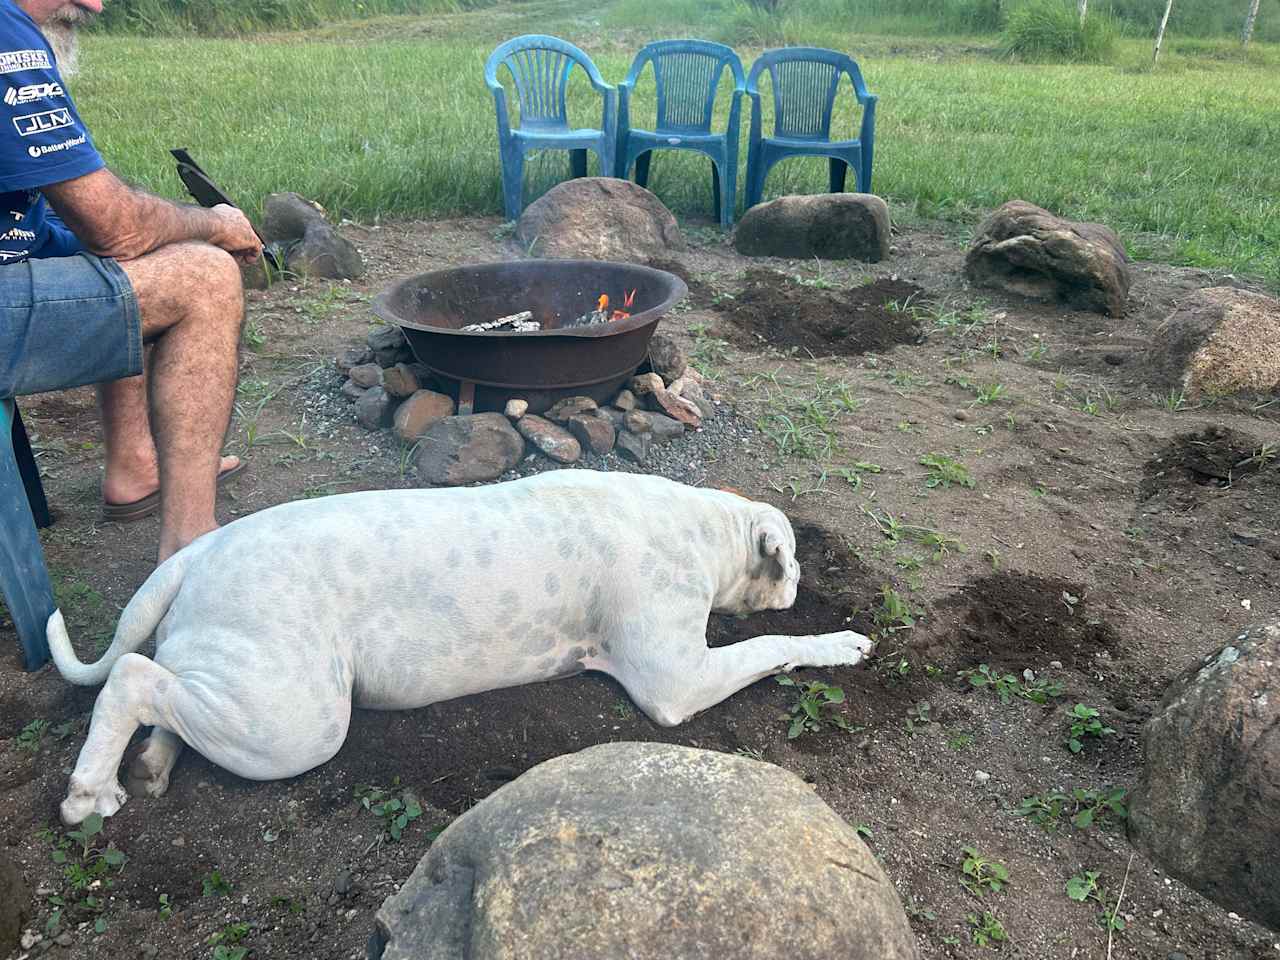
(270, 629)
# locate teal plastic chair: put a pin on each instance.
(687, 74)
(24, 580)
(805, 82)
(540, 68)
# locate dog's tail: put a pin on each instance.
(139, 620)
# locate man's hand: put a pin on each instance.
(114, 220)
(235, 234)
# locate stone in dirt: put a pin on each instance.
(556, 442)
(352, 357)
(647, 850)
(686, 387)
(419, 412)
(686, 411)
(571, 406)
(645, 384)
(612, 414)
(366, 375)
(468, 449)
(516, 408)
(374, 409)
(389, 346)
(633, 446)
(1026, 250)
(286, 216)
(400, 380)
(637, 421)
(594, 433)
(1220, 341)
(599, 218)
(15, 909)
(625, 400)
(830, 226)
(1207, 808)
(664, 428)
(324, 252)
(666, 357)
(352, 390)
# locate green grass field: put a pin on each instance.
(390, 118)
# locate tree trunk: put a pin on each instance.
(1248, 23)
(1084, 8)
(1160, 33)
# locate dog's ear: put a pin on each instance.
(772, 539)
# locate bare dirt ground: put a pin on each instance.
(1110, 537)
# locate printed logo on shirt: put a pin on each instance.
(14, 60)
(12, 254)
(43, 122)
(17, 233)
(17, 96)
(38, 152)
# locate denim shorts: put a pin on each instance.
(65, 322)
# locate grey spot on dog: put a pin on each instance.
(662, 581)
(648, 564)
(552, 584)
(508, 603)
(484, 556)
(333, 732)
(564, 547)
(454, 557)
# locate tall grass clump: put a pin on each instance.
(235, 17)
(1051, 30)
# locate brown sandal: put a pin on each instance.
(146, 506)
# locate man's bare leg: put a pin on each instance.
(132, 468)
(192, 307)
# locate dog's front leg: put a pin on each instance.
(673, 689)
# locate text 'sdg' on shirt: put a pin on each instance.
(42, 138)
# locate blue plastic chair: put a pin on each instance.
(687, 74)
(28, 594)
(540, 68)
(805, 83)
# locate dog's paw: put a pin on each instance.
(82, 801)
(843, 649)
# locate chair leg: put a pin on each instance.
(30, 473)
(728, 194)
(642, 168)
(838, 170)
(24, 581)
(715, 191)
(513, 184)
(578, 163)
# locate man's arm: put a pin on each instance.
(114, 220)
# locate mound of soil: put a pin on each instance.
(1216, 457)
(1016, 620)
(700, 294)
(779, 310)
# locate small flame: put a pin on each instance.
(603, 303)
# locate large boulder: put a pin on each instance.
(15, 905)
(313, 247)
(599, 218)
(467, 449)
(1026, 250)
(1208, 805)
(1220, 341)
(830, 226)
(647, 850)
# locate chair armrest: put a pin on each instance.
(609, 117)
(757, 119)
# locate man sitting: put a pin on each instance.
(109, 270)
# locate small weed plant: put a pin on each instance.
(816, 703)
(213, 884)
(1084, 721)
(396, 813)
(945, 472)
(894, 612)
(982, 875)
(86, 874)
(225, 940)
(986, 930)
(1084, 887)
(1006, 686)
(32, 736)
(1086, 807)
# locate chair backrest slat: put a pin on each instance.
(804, 93)
(541, 77)
(687, 89)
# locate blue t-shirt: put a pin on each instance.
(42, 141)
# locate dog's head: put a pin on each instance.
(768, 578)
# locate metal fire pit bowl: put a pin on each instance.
(485, 370)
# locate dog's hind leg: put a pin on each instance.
(674, 687)
(149, 772)
(127, 701)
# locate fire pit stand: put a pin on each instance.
(485, 369)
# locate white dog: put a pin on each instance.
(270, 629)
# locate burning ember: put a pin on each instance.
(523, 321)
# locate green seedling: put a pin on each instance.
(982, 874)
(231, 933)
(918, 716)
(166, 908)
(32, 736)
(944, 472)
(990, 394)
(213, 884)
(1006, 686)
(986, 930)
(894, 612)
(1084, 722)
(1085, 887)
(816, 703)
(396, 813)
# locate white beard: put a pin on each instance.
(60, 31)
